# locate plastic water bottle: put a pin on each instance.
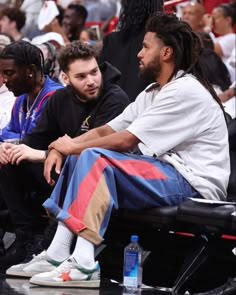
(132, 271)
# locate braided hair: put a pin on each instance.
(24, 54)
(186, 45)
(134, 14)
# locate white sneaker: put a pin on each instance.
(40, 263)
(69, 274)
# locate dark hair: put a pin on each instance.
(80, 10)
(215, 69)
(61, 13)
(134, 14)
(24, 54)
(207, 41)
(229, 9)
(14, 14)
(186, 45)
(76, 50)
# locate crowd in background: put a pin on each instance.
(116, 35)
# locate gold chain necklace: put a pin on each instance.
(30, 108)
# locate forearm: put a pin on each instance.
(39, 156)
(122, 141)
(94, 134)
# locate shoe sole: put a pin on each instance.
(81, 284)
(21, 274)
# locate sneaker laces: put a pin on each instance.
(39, 257)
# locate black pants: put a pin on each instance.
(24, 189)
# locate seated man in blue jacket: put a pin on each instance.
(22, 70)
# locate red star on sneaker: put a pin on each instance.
(65, 276)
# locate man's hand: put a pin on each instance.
(63, 145)
(54, 158)
(23, 152)
(4, 152)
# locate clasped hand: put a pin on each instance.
(63, 145)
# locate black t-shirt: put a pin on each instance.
(64, 113)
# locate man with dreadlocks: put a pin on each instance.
(169, 145)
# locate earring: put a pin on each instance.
(30, 75)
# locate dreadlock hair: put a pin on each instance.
(186, 45)
(76, 50)
(134, 14)
(24, 54)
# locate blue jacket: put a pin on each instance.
(21, 123)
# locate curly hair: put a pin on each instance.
(187, 46)
(76, 50)
(134, 14)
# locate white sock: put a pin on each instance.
(84, 253)
(59, 248)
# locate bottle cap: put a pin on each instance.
(134, 238)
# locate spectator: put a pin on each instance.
(121, 48)
(90, 99)
(166, 137)
(50, 21)
(12, 21)
(222, 23)
(193, 15)
(74, 20)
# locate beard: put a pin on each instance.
(151, 71)
(84, 97)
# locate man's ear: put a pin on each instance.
(65, 78)
(31, 71)
(167, 53)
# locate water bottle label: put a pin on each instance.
(131, 268)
